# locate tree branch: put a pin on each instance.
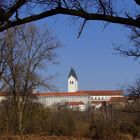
(15, 7)
(81, 29)
(73, 12)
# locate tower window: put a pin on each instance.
(71, 82)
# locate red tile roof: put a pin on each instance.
(60, 94)
(117, 99)
(74, 103)
(78, 93)
(97, 102)
(103, 92)
(82, 93)
(3, 94)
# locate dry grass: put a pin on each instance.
(41, 137)
(38, 137)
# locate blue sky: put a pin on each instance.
(92, 55)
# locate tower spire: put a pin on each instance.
(73, 73)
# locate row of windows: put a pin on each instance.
(99, 98)
(71, 82)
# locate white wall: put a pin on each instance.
(2, 98)
(50, 100)
(72, 84)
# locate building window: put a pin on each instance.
(71, 82)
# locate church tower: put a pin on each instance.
(72, 81)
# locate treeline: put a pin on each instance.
(39, 120)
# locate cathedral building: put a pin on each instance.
(75, 98)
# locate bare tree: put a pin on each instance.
(27, 52)
(133, 90)
(17, 12)
(133, 49)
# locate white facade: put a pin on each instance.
(80, 107)
(2, 98)
(72, 84)
(51, 100)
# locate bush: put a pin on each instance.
(61, 123)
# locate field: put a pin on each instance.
(38, 137)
